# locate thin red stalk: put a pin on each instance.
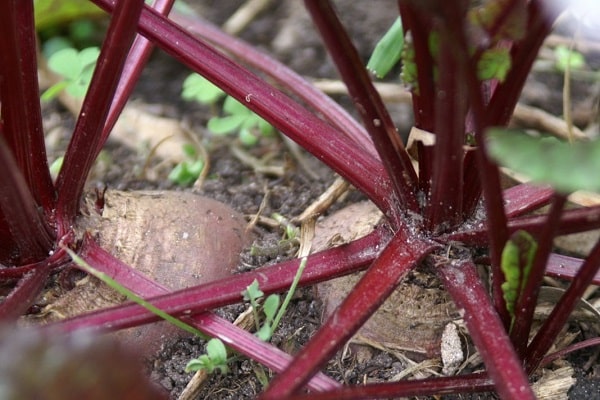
(20, 99)
(236, 338)
(488, 172)
(23, 295)
(321, 139)
(524, 198)
(568, 350)
(138, 56)
(445, 207)
(30, 236)
(572, 221)
(418, 27)
(282, 75)
(28, 288)
(547, 334)
(87, 136)
(527, 300)
(438, 386)
(402, 254)
(320, 266)
(369, 105)
(565, 267)
(486, 328)
(541, 16)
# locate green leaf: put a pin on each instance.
(215, 359)
(566, 57)
(216, 351)
(492, 17)
(270, 307)
(200, 89)
(252, 292)
(517, 260)
(388, 50)
(186, 173)
(247, 137)
(66, 63)
(494, 64)
(224, 125)
(265, 332)
(566, 167)
(52, 13)
(76, 67)
(234, 107)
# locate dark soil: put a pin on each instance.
(238, 185)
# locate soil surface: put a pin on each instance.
(284, 30)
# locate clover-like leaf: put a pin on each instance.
(567, 167)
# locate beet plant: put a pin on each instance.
(438, 217)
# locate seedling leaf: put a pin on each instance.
(214, 359)
(270, 307)
(566, 167)
(223, 125)
(517, 259)
(388, 50)
(567, 57)
(252, 292)
(76, 67)
(200, 89)
(494, 64)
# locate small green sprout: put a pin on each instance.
(188, 171)
(237, 117)
(290, 230)
(198, 88)
(56, 166)
(76, 68)
(568, 58)
(214, 359)
(388, 50)
(271, 306)
(517, 260)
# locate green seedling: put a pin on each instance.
(76, 69)
(200, 89)
(388, 50)
(494, 64)
(289, 229)
(188, 171)
(567, 167)
(237, 117)
(517, 260)
(567, 58)
(214, 359)
(271, 306)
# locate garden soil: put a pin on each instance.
(243, 182)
